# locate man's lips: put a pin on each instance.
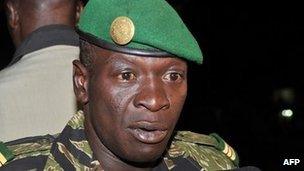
(147, 132)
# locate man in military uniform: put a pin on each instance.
(131, 80)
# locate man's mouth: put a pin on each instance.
(147, 132)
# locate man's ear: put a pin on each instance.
(80, 82)
(79, 8)
(12, 15)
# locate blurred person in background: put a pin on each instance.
(46, 44)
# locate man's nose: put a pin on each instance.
(152, 96)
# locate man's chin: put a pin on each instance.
(145, 161)
(147, 155)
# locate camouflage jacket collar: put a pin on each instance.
(71, 150)
(188, 151)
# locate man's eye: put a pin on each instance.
(173, 77)
(127, 76)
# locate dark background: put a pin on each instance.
(251, 72)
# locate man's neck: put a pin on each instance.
(106, 158)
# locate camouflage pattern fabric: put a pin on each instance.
(71, 151)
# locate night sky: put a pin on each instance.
(252, 71)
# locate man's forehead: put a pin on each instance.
(44, 4)
(111, 57)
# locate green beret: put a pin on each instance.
(138, 27)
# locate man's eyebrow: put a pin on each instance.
(116, 57)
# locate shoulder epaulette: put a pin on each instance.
(193, 137)
(226, 149)
(5, 154)
(25, 147)
(200, 146)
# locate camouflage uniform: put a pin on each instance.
(70, 150)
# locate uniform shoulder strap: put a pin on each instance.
(196, 138)
(211, 152)
(5, 154)
(225, 148)
(25, 147)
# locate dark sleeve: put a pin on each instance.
(247, 168)
(181, 164)
(185, 164)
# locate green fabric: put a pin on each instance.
(6, 152)
(221, 143)
(157, 26)
(221, 147)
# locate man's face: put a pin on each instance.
(134, 102)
